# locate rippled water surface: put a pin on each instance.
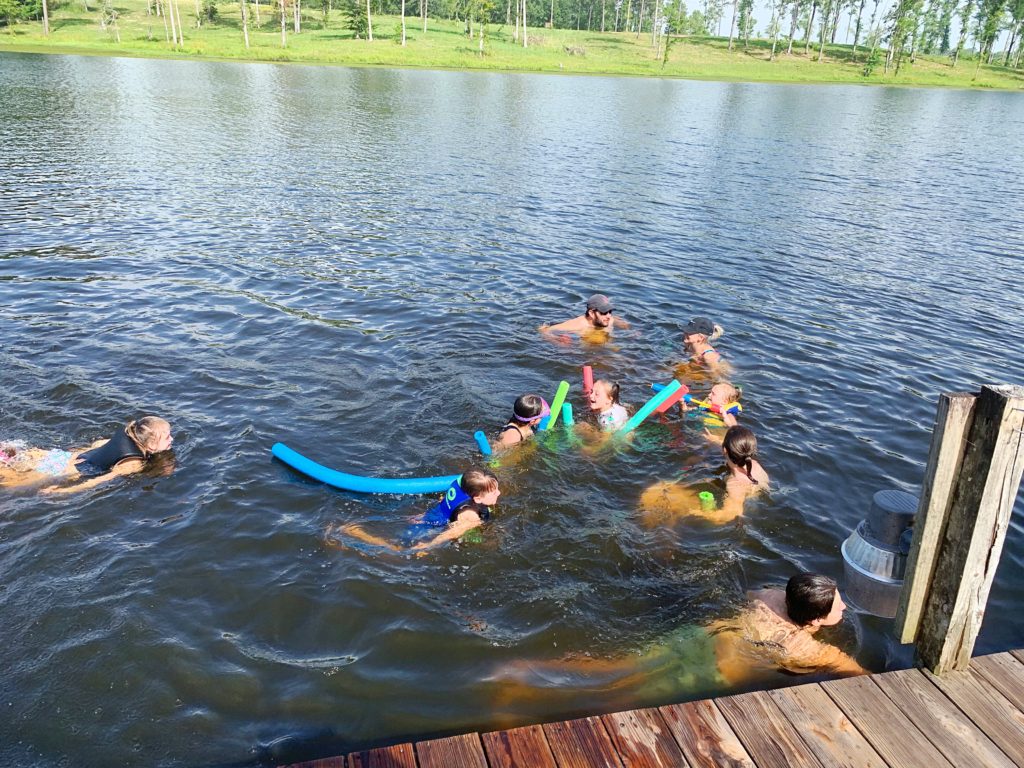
(355, 262)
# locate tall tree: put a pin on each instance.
(245, 23)
(809, 27)
(526, 41)
(1016, 10)
(990, 21)
(369, 22)
(856, 31)
(746, 22)
(965, 22)
(732, 24)
(284, 28)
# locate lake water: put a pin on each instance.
(355, 261)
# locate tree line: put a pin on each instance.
(887, 36)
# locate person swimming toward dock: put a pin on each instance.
(466, 505)
(772, 633)
(776, 631)
(746, 478)
(594, 325)
(126, 453)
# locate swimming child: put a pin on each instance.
(466, 505)
(126, 453)
(722, 395)
(746, 478)
(604, 403)
(698, 335)
(526, 415)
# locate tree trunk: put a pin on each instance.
(284, 28)
(46, 22)
(602, 20)
(732, 24)
(169, 10)
(199, 15)
(807, 31)
(481, 48)
(551, 15)
(297, 16)
(856, 34)
(526, 41)
(369, 23)
(256, 5)
(403, 25)
(640, 18)
(515, 30)
(245, 24)
(181, 27)
(426, 8)
(1006, 61)
(163, 13)
(794, 19)
(629, 14)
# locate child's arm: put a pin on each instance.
(466, 521)
(620, 322)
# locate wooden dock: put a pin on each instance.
(900, 719)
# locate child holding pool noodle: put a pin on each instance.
(527, 413)
(465, 506)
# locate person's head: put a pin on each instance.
(480, 485)
(740, 448)
(604, 395)
(599, 310)
(724, 393)
(812, 600)
(151, 433)
(700, 330)
(529, 409)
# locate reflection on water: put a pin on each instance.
(355, 262)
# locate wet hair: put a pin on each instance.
(611, 387)
(527, 407)
(717, 333)
(737, 392)
(740, 446)
(809, 596)
(144, 431)
(476, 482)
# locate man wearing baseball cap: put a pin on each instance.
(599, 316)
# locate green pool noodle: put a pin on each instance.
(556, 404)
(648, 408)
(707, 499)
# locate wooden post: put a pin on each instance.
(949, 435)
(982, 499)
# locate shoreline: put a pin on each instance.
(59, 49)
(445, 46)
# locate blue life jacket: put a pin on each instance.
(448, 509)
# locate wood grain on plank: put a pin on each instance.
(518, 748)
(764, 731)
(825, 728)
(397, 756)
(886, 728)
(581, 743)
(324, 762)
(987, 708)
(643, 739)
(704, 736)
(941, 722)
(1004, 673)
(464, 750)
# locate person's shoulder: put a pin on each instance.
(577, 323)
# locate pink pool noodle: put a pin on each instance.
(588, 379)
(679, 394)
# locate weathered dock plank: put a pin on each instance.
(769, 738)
(941, 721)
(886, 728)
(395, 756)
(825, 728)
(704, 736)
(582, 743)
(465, 751)
(1004, 673)
(643, 739)
(525, 747)
(992, 712)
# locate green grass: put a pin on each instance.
(445, 46)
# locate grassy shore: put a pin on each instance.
(446, 46)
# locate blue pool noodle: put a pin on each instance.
(481, 440)
(648, 408)
(360, 483)
(567, 414)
